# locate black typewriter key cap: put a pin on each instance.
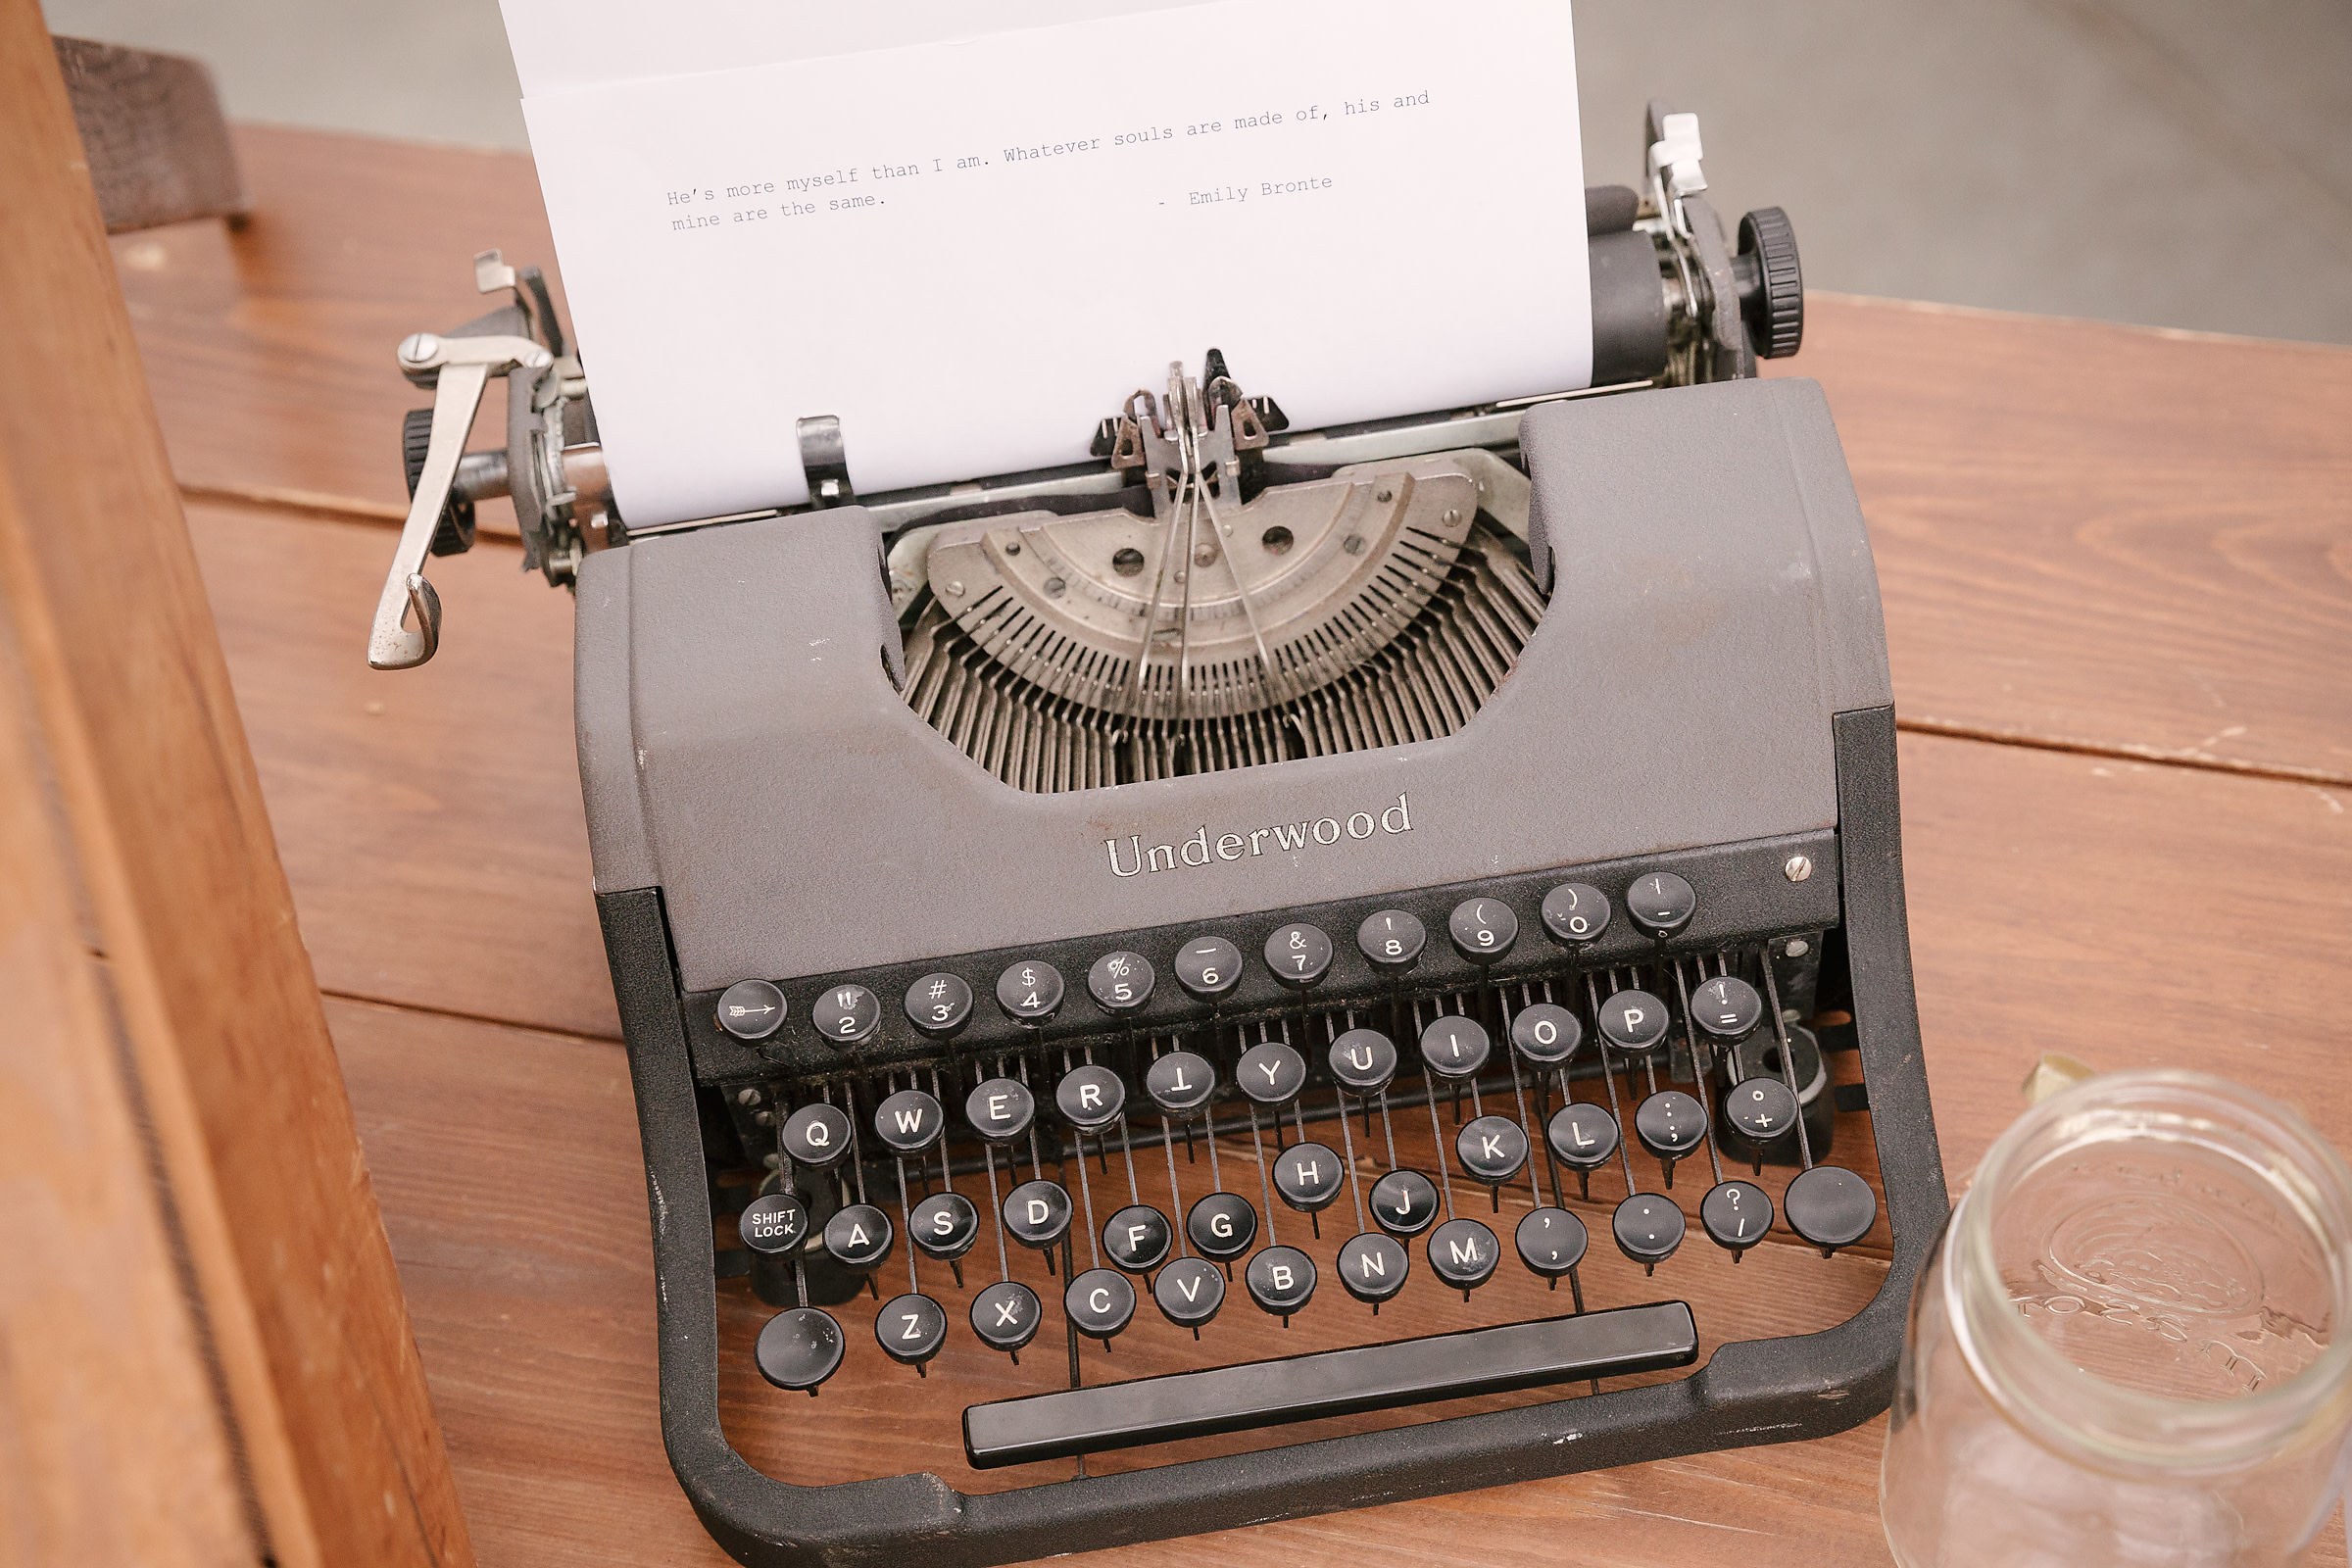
(799, 1349)
(816, 1135)
(1648, 1229)
(1761, 1111)
(939, 1005)
(1298, 956)
(1404, 1202)
(1179, 1083)
(1221, 1226)
(1736, 1215)
(945, 1226)
(1660, 902)
(1482, 929)
(1583, 1135)
(909, 1123)
(1100, 1302)
(1463, 1253)
(1209, 967)
(1725, 1008)
(1281, 1281)
(1030, 991)
(751, 1010)
(1671, 1125)
(1037, 1213)
(1188, 1291)
(911, 1329)
(859, 1236)
(1271, 1073)
(1632, 1020)
(1392, 941)
(1006, 1316)
(1575, 913)
(1001, 1110)
(1492, 1149)
(776, 1223)
(1551, 1242)
(846, 1016)
(1546, 1034)
(1308, 1176)
(1138, 1238)
(1372, 1268)
(1089, 1097)
(1454, 1047)
(1120, 982)
(1363, 1061)
(1831, 1207)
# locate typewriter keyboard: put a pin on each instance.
(1329, 1163)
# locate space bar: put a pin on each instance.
(1300, 1388)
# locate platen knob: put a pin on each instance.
(1771, 287)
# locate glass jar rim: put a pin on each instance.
(2105, 1421)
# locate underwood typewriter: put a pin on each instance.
(1271, 971)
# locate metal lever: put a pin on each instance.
(457, 369)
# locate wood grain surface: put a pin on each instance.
(2115, 567)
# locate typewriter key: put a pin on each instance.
(859, 1236)
(1454, 1047)
(1281, 1281)
(1670, 1125)
(1037, 1213)
(1546, 1034)
(1575, 913)
(1725, 1008)
(1632, 1020)
(1648, 1229)
(1090, 1098)
(1735, 1214)
(799, 1349)
(1221, 1226)
(1308, 1176)
(1100, 1302)
(1006, 1316)
(1138, 1238)
(945, 1226)
(909, 1121)
(751, 1010)
(1363, 1061)
(816, 1135)
(911, 1329)
(1209, 967)
(1180, 1084)
(1482, 929)
(939, 1005)
(1272, 1073)
(776, 1223)
(1660, 902)
(1372, 1268)
(1298, 955)
(1120, 982)
(1030, 991)
(1392, 939)
(1551, 1242)
(1762, 1111)
(1188, 1291)
(1493, 1149)
(1583, 1135)
(1831, 1207)
(1463, 1253)
(846, 1016)
(1001, 1110)
(1404, 1202)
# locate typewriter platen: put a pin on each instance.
(1265, 973)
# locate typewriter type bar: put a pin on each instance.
(1301, 1387)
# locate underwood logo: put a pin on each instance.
(1200, 851)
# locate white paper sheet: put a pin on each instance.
(971, 250)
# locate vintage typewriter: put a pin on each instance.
(1261, 974)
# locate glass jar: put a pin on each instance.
(2130, 1346)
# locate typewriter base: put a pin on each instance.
(1748, 1393)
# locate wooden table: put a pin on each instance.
(2118, 574)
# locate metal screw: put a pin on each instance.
(1384, 494)
(956, 589)
(1798, 870)
(1353, 544)
(1055, 587)
(766, 1118)
(418, 347)
(1205, 556)
(1797, 948)
(746, 1097)
(1453, 515)
(1013, 548)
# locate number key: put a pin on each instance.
(1298, 955)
